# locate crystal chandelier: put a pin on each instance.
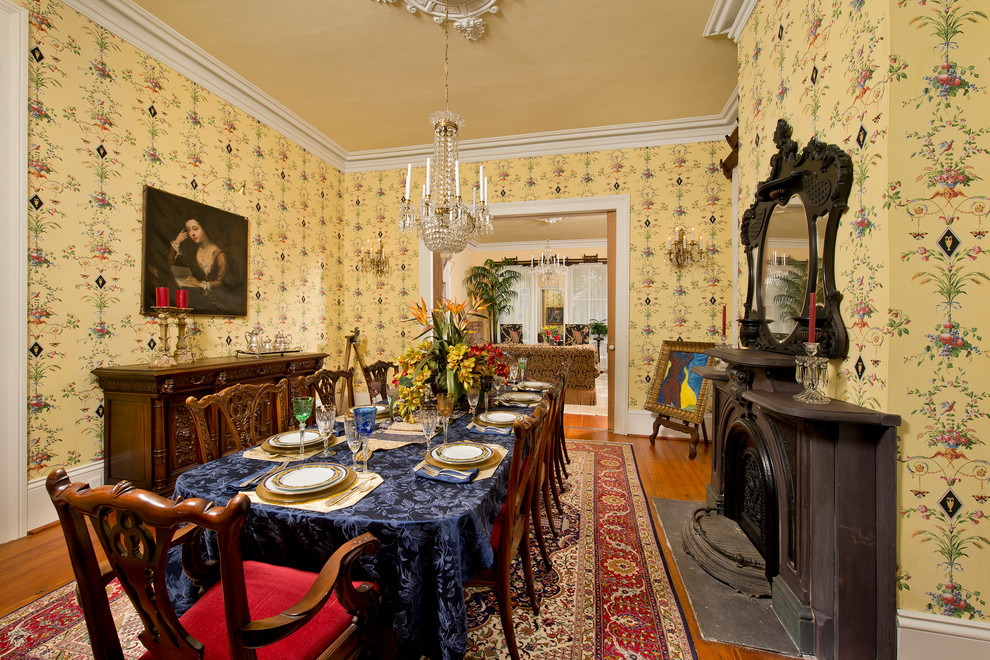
(682, 252)
(445, 223)
(550, 267)
(374, 260)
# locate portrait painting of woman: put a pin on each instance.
(197, 248)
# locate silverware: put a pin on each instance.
(434, 472)
(361, 488)
(258, 478)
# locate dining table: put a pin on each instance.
(434, 535)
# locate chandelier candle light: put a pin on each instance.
(445, 223)
(682, 252)
(374, 260)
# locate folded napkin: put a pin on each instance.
(446, 475)
(478, 428)
(516, 404)
(250, 483)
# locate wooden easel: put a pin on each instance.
(690, 428)
(353, 341)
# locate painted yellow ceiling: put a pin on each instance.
(368, 74)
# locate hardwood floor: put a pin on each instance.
(39, 563)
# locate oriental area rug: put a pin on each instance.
(608, 596)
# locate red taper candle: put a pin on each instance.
(161, 296)
(811, 320)
(723, 321)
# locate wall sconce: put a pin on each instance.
(374, 260)
(682, 252)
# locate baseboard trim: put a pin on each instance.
(921, 636)
(640, 422)
(40, 511)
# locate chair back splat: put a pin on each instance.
(136, 528)
(376, 375)
(325, 382)
(231, 419)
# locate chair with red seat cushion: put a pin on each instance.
(511, 529)
(291, 613)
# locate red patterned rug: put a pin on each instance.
(609, 595)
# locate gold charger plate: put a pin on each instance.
(520, 397)
(311, 496)
(380, 413)
(294, 449)
(494, 459)
(485, 419)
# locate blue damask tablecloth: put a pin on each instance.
(434, 537)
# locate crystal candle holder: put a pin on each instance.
(163, 359)
(812, 373)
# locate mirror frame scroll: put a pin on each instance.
(821, 175)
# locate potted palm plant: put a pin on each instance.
(491, 283)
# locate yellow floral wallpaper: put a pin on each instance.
(106, 119)
(898, 85)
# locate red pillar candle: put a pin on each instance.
(723, 321)
(161, 296)
(811, 320)
(181, 298)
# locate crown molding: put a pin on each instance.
(149, 34)
(620, 136)
(728, 17)
(522, 246)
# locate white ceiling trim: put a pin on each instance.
(620, 136)
(148, 33)
(522, 246)
(728, 17)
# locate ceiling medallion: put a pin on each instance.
(466, 14)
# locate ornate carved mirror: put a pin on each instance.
(789, 237)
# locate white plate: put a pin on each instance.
(521, 397)
(499, 418)
(306, 478)
(534, 385)
(291, 438)
(381, 410)
(461, 453)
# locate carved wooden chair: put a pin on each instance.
(376, 375)
(238, 410)
(324, 384)
(510, 532)
(298, 614)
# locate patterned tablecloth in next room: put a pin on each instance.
(435, 536)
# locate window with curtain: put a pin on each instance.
(588, 289)
(520, 311)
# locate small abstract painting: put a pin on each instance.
(675, 389)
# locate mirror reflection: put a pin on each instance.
(785, 266)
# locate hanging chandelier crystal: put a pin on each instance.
(551, 267)
(445, 223)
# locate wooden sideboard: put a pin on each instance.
(148, 436)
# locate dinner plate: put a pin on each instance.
(461, 453)
(306, 478)
(381, 410)
(521, 397)
(498, 418)
(538, 385)
(291, 439)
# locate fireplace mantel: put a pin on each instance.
(825, 517)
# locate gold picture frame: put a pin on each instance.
(678, 395)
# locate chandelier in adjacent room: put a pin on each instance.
(551, 267)
(444, 221)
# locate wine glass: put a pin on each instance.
(522, 367)
(428, 420)
(445, 406)
(324, 422)
(364, 416)
(472, 396)
(302, 408)
(499, 382)
(513, 372)
(353, 440)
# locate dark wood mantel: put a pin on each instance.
(815, 486)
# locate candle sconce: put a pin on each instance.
(682, 252)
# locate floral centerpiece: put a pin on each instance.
(443, 361)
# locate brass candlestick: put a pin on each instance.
(163, 359)
(812, 373)
(182, 354)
